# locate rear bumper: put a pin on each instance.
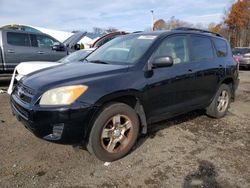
(244, 66)
(244, 63)
(67, 125)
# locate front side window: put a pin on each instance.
(122, 50)
(221, 47)
(175, 47)
(202, 48)
(44, 41)
(18, 39)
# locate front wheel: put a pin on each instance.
(114, 132)
(221, 102)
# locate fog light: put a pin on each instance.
(57, 132)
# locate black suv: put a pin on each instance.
(126, 84)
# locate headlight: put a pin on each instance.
(62, 95)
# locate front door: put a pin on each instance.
(16, 49)
(171, 89)
(42, 45)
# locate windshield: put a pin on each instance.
(122, 50)
(240, 51)
(75, 56)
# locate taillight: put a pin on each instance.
(236, 59)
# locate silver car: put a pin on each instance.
(243, 54)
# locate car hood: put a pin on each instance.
(70, 74)
(75, 38)
(25, 68)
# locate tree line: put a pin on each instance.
(235, 25)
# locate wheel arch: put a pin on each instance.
(230, 81)
(129, 97)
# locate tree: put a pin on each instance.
(238, 22)
(111, 29)
(159, 25)
(213, 27)
(98, 30)
(172, 23)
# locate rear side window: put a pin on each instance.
(221, 47)
(18, 39)
(202, 48)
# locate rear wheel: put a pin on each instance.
(221, 102)
(114, 132)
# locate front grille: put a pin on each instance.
(22, 111)
(24, 93)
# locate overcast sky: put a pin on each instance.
(128, 15)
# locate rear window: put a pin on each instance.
(221, 47)
(202, 48)
(18, 39)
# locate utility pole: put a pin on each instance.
(152, 20)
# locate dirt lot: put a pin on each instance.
(189, 151)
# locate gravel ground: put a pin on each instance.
(191, 150)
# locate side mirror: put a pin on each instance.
(58, 47)
(159, 62)
(77, 47)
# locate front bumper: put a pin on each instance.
(67, 125)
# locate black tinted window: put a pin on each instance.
(201, 48)
(221, 47)
(18, 39)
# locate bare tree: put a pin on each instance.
(111, 29)
(98, 30)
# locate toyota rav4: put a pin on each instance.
(125, 85)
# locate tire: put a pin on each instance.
(216, 109)
(114, 132)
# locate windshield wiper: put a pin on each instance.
(98, 61)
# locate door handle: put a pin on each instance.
(220, 65)
(40, 52)
(190, 70)
(10, 51)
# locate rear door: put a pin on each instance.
(208, 67)
(16, 48)
(42, 48)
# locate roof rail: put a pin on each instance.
(194, 29)
(137, 31)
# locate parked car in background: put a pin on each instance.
(243, 55)
(21, 46)
(126, 84)
(106, 38)
(26, 68)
